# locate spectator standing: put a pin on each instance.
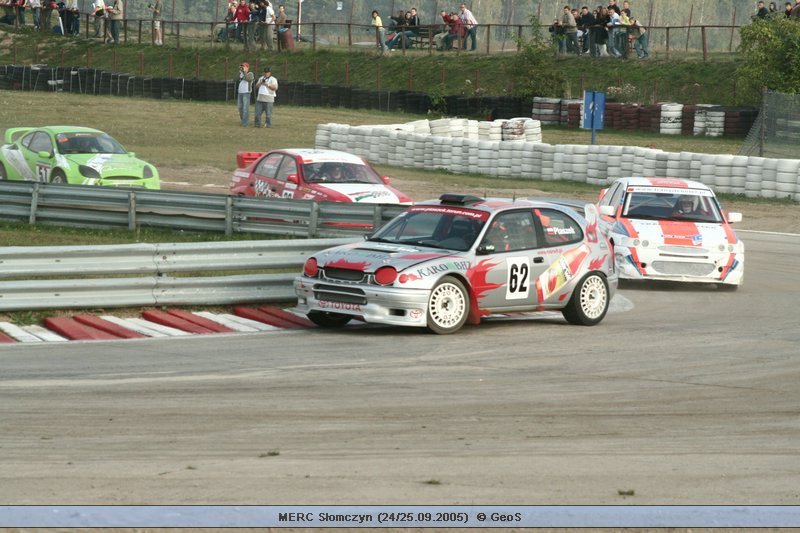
(613, 25)
(796, 10)
(282, 28)
(380, 31)
(242, 18)
(761, 10)
(266, 91)
(470, 28)
(73, 16)
(585, 22)
(47, 14)
(98, 16)
(268, 30)
(438, 39)
(626, 8)
(600, 39)
(612, 6)
(788, 9)
(570, 26)
(243, 93)
(252, 26)
(20, 7)
(640, 39)
(157, 35)
(36, 11)
(116, 17)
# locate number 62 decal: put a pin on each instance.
(518, 285)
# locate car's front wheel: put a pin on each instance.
(328, 320)
(448, 306)
(57, 176)
(589, 302)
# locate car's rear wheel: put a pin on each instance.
(589, 302)
(448, 306)
(57, 176)
(3, 175)
(328, 320)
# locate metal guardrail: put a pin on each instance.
(105, 207)
(138, 273)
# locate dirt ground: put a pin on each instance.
(758, 216)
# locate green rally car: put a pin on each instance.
(71, 154)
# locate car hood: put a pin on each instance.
(109, 164)
(368, 256)
(365, 193)
(679, 233)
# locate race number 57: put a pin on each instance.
(518, 284)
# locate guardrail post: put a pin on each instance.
(229, 216)
(131, 210)
(313, 221)
(34, 204)
(377, 217)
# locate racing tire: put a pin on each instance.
(589, 302)
(58, 176)
(3, 175)
(325, 319)
(448, 306)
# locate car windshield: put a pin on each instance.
(340, 172)
(450, 228)
(88, 143)
(694, 206)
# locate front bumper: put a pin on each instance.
(651, 263)
(379, 305)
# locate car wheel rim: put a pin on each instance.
(593, 297)
(447, 305)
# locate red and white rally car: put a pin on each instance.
(311, 174)
(671, 229)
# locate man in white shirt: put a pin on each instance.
(470, 27)
(269, 29)
(267, 89)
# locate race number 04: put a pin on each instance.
(518, 285)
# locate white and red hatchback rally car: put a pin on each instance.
(311, 174)
(671, 229)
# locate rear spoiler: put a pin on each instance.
(245, 158)
(12, 134)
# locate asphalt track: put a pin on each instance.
(689, 396)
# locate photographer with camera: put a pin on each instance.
(243, 94)
(157, 35)
(266, 90)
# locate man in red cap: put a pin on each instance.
(243, 94)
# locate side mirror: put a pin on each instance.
(608, 210)
(44, 155)
(485, 249)
(732, 218)
(386, 179)
(292, 178)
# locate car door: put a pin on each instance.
(265, 175)
(512, 245)
(33, 146)
(287, 178)
(562, 240)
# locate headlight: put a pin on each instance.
(148, 172)
(88, 172)
(385, 275)
(310, 268)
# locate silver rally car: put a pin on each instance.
(440, 264)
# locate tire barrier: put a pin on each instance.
(505, 149)
(664, 118)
